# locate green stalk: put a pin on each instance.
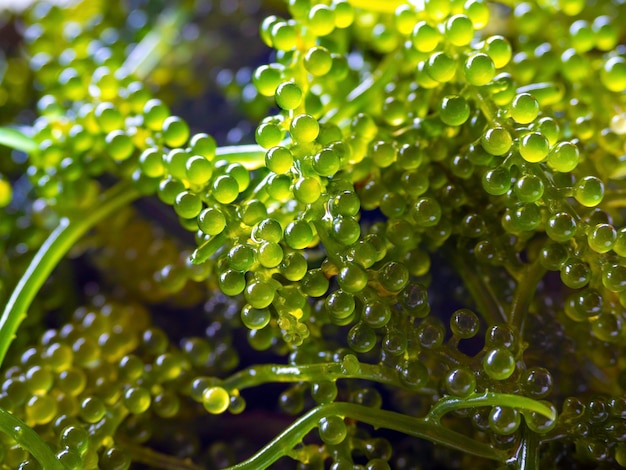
(29, 440)
(271, 373)
(524, 293)
(13, 138)
(379, 6)
(56, 246)
(449, 404)
(527, 456)
(251, 157)
(417, 427)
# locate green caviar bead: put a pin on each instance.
(284, 36)
(307, 190)
(119, 145)
(240, 174)
(232, 282)
(75, 437)
(614, 277)
(137, 400)
(550, 129)
(254, 318)
(169, 189)
(266, 27)
(225, 189)
(151, 163)
(315, 283)
(553, 255)
(459, 30)
(215, 400)
(155, 112)
(298, 234)
(304, 128)
(464, 323)
(575, 273)
(252, 212)
(346, 203)
(602, 238)
(460, 382)
(211, 221)
(344, 13)
(6, 192)
(114, 459)
(441, 67)
(266, 79)
(504, 420)
(259, 294)
(499, 364)
(454, 110)
(620, 242)
(425, 38)
(404, 18)
(321, 20)
(500, 50)
(241, 257)
(534, 147)
(606, 33)
(561, 227)
(279, 160)
(497, 181)
(361, 338)
(393, 276)
(340, 306)
(203, 145)
(496, 141)
(383, 154)
(346, 230)
(267, 230)
(376, 314)
(270, 254)
(437, 9)
(199, 170)
(326, 162)
(479, 69)
(564, 157)
(538, 423)
(268, 134)
(529, 188)
(524, 108)
(613, 74)
(108, 117)
(175, 132)
(575, 67)
(426, 212)
(589, 191)
(478, 12)
(352, 278)
(333, 430)
(92, 410)
(39, 380)
(294, 266)
(288, 96)
(582, 36)
(318, 61)
(188, 205)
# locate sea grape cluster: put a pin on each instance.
(427, 236)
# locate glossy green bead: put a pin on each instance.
(119, 145)
(270, 254)
(307, 190)
(175, 132)
(426, 212)
(225, 189)
(298, 234)
(332, 430)
(454, 110)
(304, 128)
(187, 205)
(602, 238)
(499, 364)
(254, 318)
(279, 159)
(589, 191)
(496, 141)
(327, 162)
(137, 400)
(460, 382)
(614, 277)
(497, 181)
(203, 145)
(211, 221)
(321, 20)
(424, 37)
(479, 69)
(534, 147)
(268, 135)
(266, 79)
(215, 400)
(575, 273)
(459, 30)
(564, 157)
(529, 188)
(259, 294)
(288, 96)
(561, 227)
(318, 61)
(500, 50)
(441, 67)
(284, 36)
(504, 420)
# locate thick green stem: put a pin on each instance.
(449, 404)
(15, 139)
(50, 254)
(525, 292)
(29, 440)
(266, 373)
(486, 302)
(251, 157)
(527, 456)
(417, 427)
